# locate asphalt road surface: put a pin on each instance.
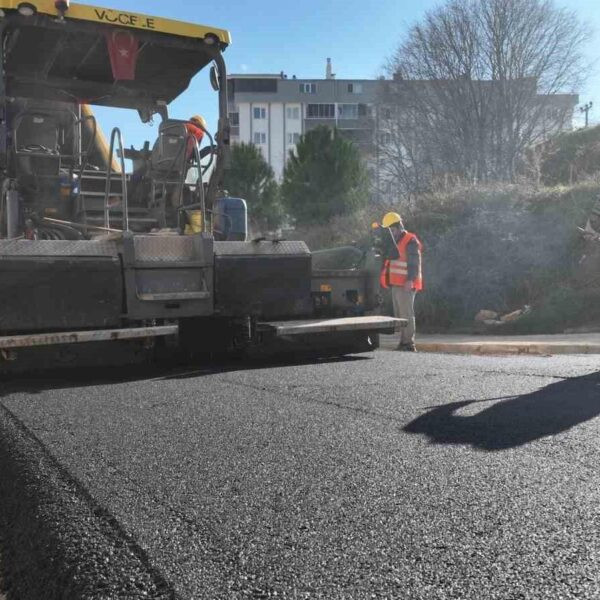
(395, 476)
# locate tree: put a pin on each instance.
(250, 177)
(323, 178)
(473, 86)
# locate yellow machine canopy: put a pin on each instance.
(101, 56)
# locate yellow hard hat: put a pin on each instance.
(390, 219)
(200, 120)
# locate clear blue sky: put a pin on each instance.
(274, 35)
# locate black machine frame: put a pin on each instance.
(216, 294)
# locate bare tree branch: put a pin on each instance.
(474, 85)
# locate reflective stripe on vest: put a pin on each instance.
(395, 272)
(399, 266)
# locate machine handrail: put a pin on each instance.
(199, 184)
(84, 156)
(116, 133)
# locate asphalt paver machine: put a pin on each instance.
(90, 252)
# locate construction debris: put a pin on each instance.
(486, 315)
(512, 316)
(493, 319)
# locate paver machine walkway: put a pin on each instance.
(90, 252)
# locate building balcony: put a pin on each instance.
(315, 122)
(366, 123)
(359, 123)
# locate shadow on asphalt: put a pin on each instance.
(64, 378)
(515, 421)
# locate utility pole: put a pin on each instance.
(586, 109)
(377, 176)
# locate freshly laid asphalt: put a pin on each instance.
(393, 476)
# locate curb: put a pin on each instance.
(533, 348)
(496, 347)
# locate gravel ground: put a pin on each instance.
(394, 476)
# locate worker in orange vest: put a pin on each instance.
(403, 275)
(196, 127)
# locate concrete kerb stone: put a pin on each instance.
(507, 348)
(538, 346)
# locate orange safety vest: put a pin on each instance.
(196, 134)
(395, 272)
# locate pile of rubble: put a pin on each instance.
(494, 319)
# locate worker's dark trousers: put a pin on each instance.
(404, 308)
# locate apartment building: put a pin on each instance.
(272, 111)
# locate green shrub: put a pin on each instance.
(561, 308)
(494, 247)
(570, 157)
(485, 248)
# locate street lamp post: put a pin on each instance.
(586, 109)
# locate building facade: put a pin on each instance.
(273, 111)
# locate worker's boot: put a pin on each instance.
(406, 348)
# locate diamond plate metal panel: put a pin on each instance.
(49, 248)
(260, 248)
(157, 248)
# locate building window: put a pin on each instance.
(364, 110)
(253, 85)
(320, 111)
(234, 118)
(553, 113)
(348, 111)
(308, 88)
(293, 138)
(293, 112)
(260, 138)
(355, 88)
(260, 113)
